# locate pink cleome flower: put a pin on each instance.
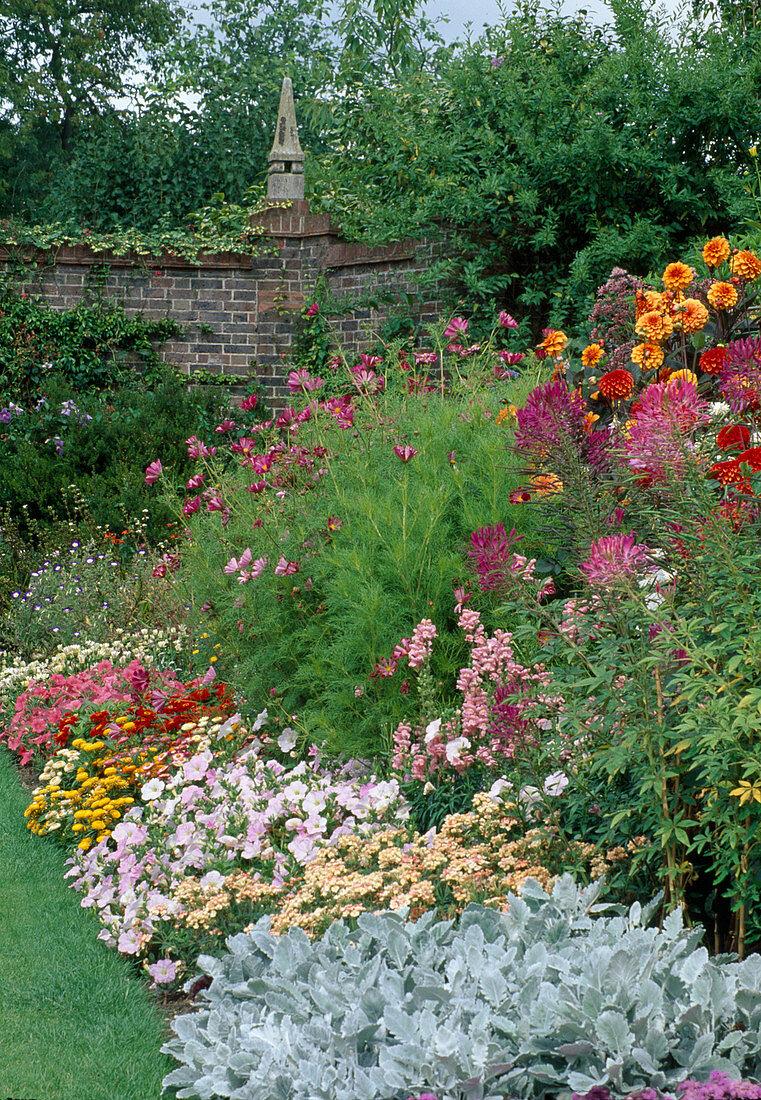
(613, 558)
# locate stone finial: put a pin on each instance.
(285, 179)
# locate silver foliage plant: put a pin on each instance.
(558, 994)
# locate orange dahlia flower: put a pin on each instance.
(712, 361)
(553, 343)
(745, 265)
(616, 385)
(592, 354)
(693, 315)
(686, 376)
(654, 326)
(678, 276)
(647, 356)
(716, 251)
(722, 296)
(546, 485)
(645, 301)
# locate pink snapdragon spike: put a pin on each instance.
(457, 327)
(153, 472)
(419, 649)
(405, 453)
(506, 320)
(614, 558)
(504, 705)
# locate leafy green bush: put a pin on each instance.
(92, 346)
(83, 456)
(320, 542)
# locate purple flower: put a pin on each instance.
(5, 416)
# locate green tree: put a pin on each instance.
(61, 58)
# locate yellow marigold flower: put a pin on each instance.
(654, 326)
(82, 815)
(545, 485)
(85, 844)
(592, 354)
(647, 356)
(686, 375)
(716, 251)
(553, 343)
(722, 296)
(77, 827)
(693, 315)
(677, 276)
(745, 265)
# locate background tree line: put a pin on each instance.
(553, 148)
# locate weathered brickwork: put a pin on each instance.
(240, 312)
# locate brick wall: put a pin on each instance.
(240, 312)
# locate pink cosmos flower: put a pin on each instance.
(457, 327)
(191, 506)
(506, 320)
(285, 568)
(313, 310)
(511, 358)
(405, 453)
(153, 472)
(225, 426)
(195, 482)
(249, 402)
(613, 558)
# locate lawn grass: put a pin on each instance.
(74, 1025)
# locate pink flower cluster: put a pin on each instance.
(249, 811)
(39, 709)
(502, 706)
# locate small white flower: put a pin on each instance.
(152, 789)
(287, 740)
(455, 748)
(432, 730)
(211, 878)
(496, 789)
(555, 784)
